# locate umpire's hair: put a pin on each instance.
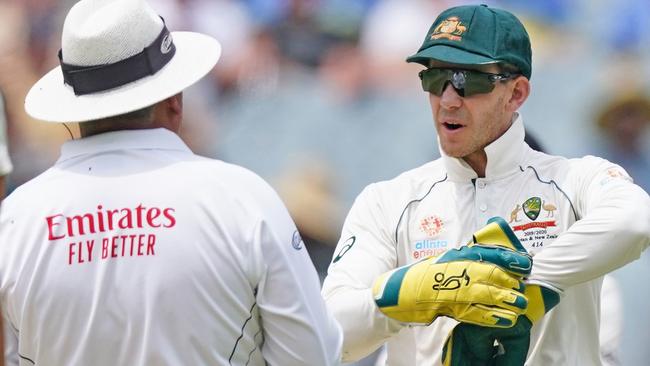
(141, 118)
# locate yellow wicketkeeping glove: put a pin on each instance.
(471, 345)
(477, 284)
(540, 299)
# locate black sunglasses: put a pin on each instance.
(466, 82)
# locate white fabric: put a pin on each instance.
(95, 32)
(169, 259)
(592, 220)
(98, 32)
(611, 325)
(5, 162)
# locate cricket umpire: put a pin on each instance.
(131, 250)
(579, 218)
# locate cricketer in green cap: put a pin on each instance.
(476, 35)
(387, 286)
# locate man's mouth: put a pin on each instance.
(452, 126)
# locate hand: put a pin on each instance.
(476, 284)
(471, 345)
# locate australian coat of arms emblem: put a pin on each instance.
(451, 28)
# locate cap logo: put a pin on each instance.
(451, 28)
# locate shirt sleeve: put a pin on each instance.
(366, 250)
(297, 327)
(613, 227)
(5, 162)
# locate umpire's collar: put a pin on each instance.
(147, 139)
(503, 156)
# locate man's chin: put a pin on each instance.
(454, 152)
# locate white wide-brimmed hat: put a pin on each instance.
(116, 57)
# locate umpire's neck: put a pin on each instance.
(167, 113)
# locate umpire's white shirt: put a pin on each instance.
(580, 218)
(132, 250)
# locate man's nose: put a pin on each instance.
(450, 98)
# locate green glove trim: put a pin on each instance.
(390, 294)
(473, 345)
(551, 298)
(517, 263)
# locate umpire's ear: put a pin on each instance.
(168, 113)
(519, 89)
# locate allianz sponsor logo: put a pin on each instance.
(428, 248)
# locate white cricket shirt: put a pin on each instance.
(580, 218)
(131, 250)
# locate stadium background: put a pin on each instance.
(315, 96)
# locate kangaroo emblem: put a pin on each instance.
(514, 213)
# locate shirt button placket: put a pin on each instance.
(481, 202)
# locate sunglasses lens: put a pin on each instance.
(434, 80)
(466, 82)
(477, 83)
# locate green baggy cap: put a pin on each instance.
(476, 35)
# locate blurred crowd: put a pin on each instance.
(315, 96)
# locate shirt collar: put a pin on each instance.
(503, 156)
(147, 139)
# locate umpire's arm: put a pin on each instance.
(364, 252)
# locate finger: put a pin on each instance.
(515, 262)
(475, 282)
(493, 296)
(487, 316)
(502, 278)
(510, 260)
(498, 232)
(483, 272)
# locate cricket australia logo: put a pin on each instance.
(532, 207)
(451, 28)
(451, 282)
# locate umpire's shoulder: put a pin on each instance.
(224, 172)
(218, 177)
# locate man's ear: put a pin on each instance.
(520, 90)
(176, 103)
(168, 113)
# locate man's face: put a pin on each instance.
(465, 125)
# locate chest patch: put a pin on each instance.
(534, 222)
